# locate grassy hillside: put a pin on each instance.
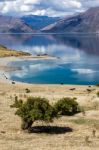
(5, 52)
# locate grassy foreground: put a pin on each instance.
(67, 133)
(5, 52)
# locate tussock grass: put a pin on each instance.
(84, 121)
(5, 52)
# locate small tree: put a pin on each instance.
(35, 108)
(67, 106)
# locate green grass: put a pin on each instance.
(82, 121)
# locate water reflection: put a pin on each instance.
(78, 61)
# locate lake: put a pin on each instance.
(77, 58)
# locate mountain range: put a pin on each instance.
(86, 22)
(25, 24)
(13, 25)
(39, 22)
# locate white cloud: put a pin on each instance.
(73, 3)
(31, 1)
(45, 7)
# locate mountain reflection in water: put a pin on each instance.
(77, 63)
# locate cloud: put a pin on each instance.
(44, 7)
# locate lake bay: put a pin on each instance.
(76, 58)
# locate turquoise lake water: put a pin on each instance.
(77, 58)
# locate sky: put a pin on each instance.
(45, 7)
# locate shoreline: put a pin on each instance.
(6, 67)
(6, 60)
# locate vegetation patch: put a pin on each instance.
(5, 52)
(67, 106)
(27, 90)
(36, 108)
(82, 121)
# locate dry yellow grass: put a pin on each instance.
(12, 138)
(5, 52)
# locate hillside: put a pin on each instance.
(13, 25)
(39, 22)
(87, 22)
(5, 52)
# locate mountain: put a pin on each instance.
(39, 22)
(87, 22)
(13, 25)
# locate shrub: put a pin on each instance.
(67, 106)
(35, 108)
(98, 93)
(89, 90)
(27, 90)
(97, 85)
(13, 82)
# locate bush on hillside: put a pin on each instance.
(35, 108)
(67, 106)
(27, 90)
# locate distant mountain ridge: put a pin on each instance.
(14, 25)
(39, 22)
(87, 22)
